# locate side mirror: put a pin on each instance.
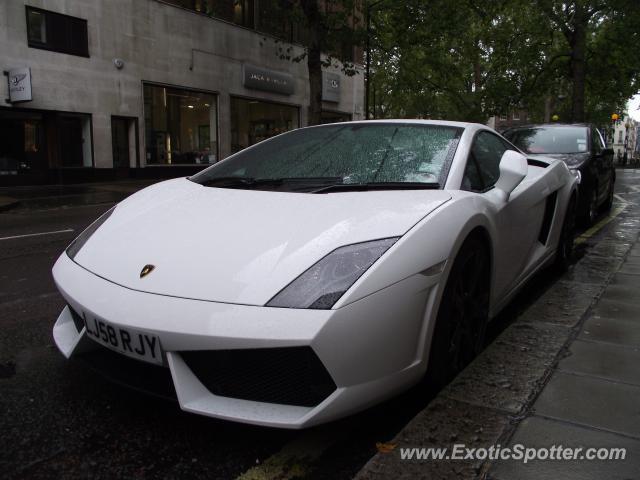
(513, 169)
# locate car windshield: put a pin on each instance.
(543, 140)
(352, 156)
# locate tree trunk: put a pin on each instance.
(312, 13)
(578, 44)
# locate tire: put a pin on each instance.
(609, 202)
(564, 252)
(461, 322)
(591, 213)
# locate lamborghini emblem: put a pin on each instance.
(146, 270)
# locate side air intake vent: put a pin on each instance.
(549, 210)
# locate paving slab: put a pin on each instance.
(622, 294)
(535, 432)
(630, 268)
(612, 330)
(441, 425)
(591, 402)
(619, 310)
(603, 360)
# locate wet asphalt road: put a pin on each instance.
(60, 420)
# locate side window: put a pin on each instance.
(483, 165)
(596, 146)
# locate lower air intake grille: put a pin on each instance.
(289, 376)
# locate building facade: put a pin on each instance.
(624, 139)
(97, 89)
(513, 118)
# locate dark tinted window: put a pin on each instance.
(560, 139)
(57, 32)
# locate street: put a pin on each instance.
(61, 420)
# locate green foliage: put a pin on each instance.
(471, 59)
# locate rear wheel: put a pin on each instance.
(609, 202)
(462, 317)
(592, 210)
(565, 245)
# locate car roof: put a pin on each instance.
(549, 125)
(446, 123)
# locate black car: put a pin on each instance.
(583, 149)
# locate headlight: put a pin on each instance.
(576, 173)
(78, 243)
(322, 285)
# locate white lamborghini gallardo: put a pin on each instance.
(316, 273)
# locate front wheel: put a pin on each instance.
(462, 317)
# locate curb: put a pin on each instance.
(485, 403)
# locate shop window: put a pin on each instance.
(334, 117)
(180, 126)
(56, 32)
(253, 121)
(239, 12)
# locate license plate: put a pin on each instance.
(139, 345)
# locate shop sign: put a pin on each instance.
(268, 80)
(330, 87)
(19, 85)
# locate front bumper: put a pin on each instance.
(372, 348)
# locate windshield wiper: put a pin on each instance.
(250, 182)
(362, 187)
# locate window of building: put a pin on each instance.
(253, 121)
(334, 117)
(56, 32)
(516, 115)
(620, 132)
(181, 126)
(503, 117)
(240, 12)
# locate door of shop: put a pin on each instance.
(22, 149)
(123, 144)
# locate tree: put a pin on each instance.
(472, 59)
(597, 34)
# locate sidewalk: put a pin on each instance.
(593, 396)
(41, 197)
(565, 372)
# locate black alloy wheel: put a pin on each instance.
(565, 248)
(462, 317)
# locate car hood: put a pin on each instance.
(239, 246)
(571, 159)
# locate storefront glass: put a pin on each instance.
(253, 121)
(180, 126)
(33, 142)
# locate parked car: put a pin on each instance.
(316, 273)
(583, 149)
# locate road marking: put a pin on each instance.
(295, 459)
(598, 226)
(68, 230)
